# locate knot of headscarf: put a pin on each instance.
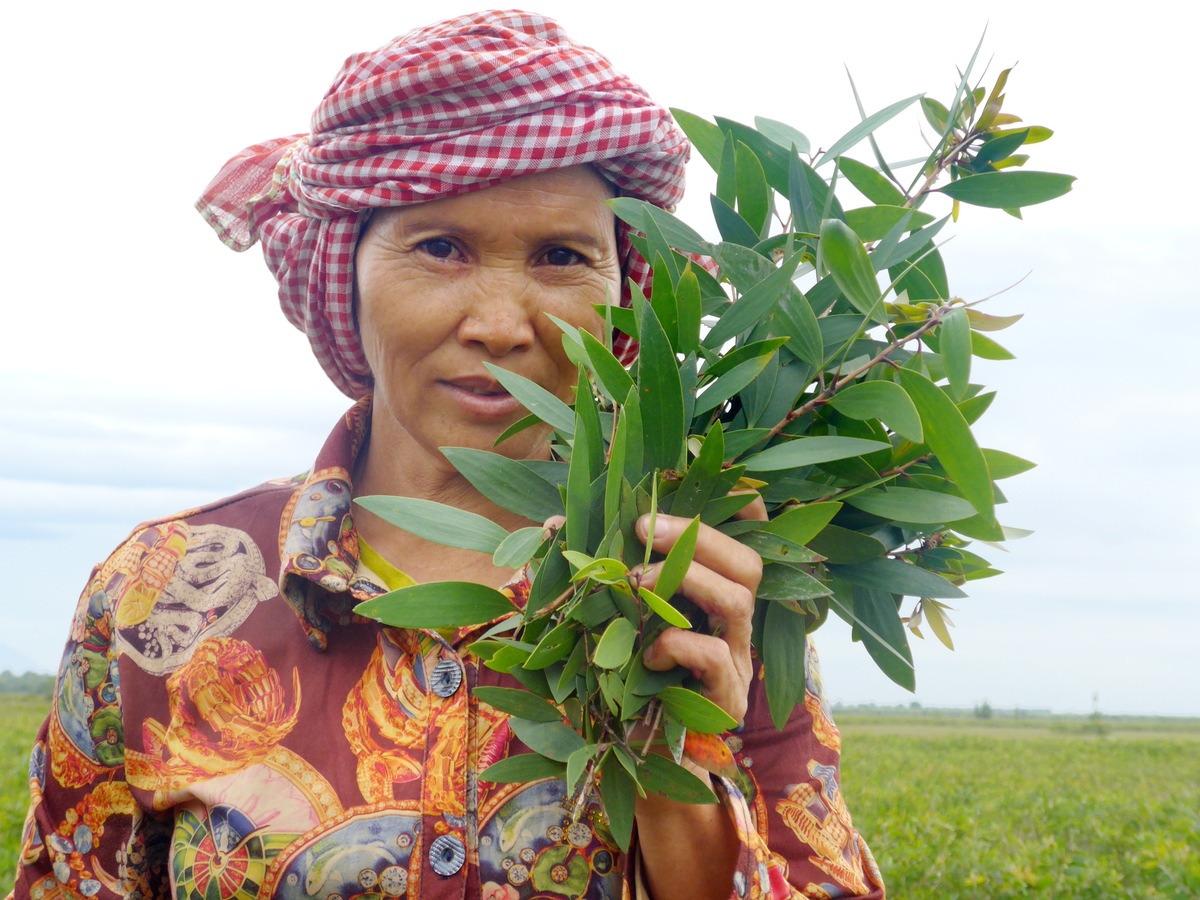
(454, 107)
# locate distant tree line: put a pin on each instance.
(27, 683)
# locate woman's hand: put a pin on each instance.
(723, 581)
(690, 851)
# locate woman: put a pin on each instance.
(451, 193)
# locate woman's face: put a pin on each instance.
(445, 286)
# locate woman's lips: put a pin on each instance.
(482, 397)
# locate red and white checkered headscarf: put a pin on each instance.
(455, 107)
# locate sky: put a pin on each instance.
(147, 368)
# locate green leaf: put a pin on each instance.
(618, 791)
(954, 344)
(782, 134)
(702, 475)
(437, 522)
(870, 183)
(437, 604)
(507, 483)
(615, 645)
(883, 400)
(663, 776)
(690, 309)
(734, 229)
(663, 609)
(902, 504)
(554, 740)
(1005, 465)
(896, 577)
(808, 451)
(536, 399)
(872, 223)
(754, 304)
(753, 195)
(773, 548)
(1008, 190)
(522, 769)
(695, 711)
(728, 385)
(645, 216)
(675, 566)
(877, 622)
(518, 548)
(577, 765)
(795, 319)
(806, 213)
(707, 138)
(841, 545)
(864, 128)
(786, 582)
(521, 704)
(802, 523)
(843, 255)
(986, 348)
(613, 378)
(555, 644)
(660, 393)
(784, 651)
(949, 436)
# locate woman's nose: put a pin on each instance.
(499, 316)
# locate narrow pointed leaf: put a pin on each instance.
(782, 134)
(870, 183)
(679, 558)
(618, 791)
(663, 609)
(754, 304)
(536, 399)
(1008, 190)
(662, 776)
(864, 128)
(518, 548)
(808, 451)
(897, 577)
(437, 522)
(554, 740)
(660, 394)
(518, 703)
(883, 400)
(507, 483)
(523, 768)
(615, 645)
(784, 637)
(613, 378)
(843, 255)
(902, 504)
(949, 436)
(695, 711)
(437, 604)
(954, 343)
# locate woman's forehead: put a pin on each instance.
(567, 200)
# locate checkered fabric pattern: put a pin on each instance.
(454, 107)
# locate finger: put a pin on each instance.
(714, 550)
(729, 605)
(756, 509)
(710, 660)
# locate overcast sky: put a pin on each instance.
(147, 368)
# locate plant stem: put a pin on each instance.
(828, 391)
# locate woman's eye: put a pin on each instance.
(438, 248)
(561, 256)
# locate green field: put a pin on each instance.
(953, 807)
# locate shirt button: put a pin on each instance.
(447, 676)
(447, 854)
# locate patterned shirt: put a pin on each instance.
(225, 726)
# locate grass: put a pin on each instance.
(1077, 808)
(21, 715)
(953, 807)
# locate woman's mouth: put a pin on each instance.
(483, 398)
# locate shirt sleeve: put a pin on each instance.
(85, 835)
(797, 838)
